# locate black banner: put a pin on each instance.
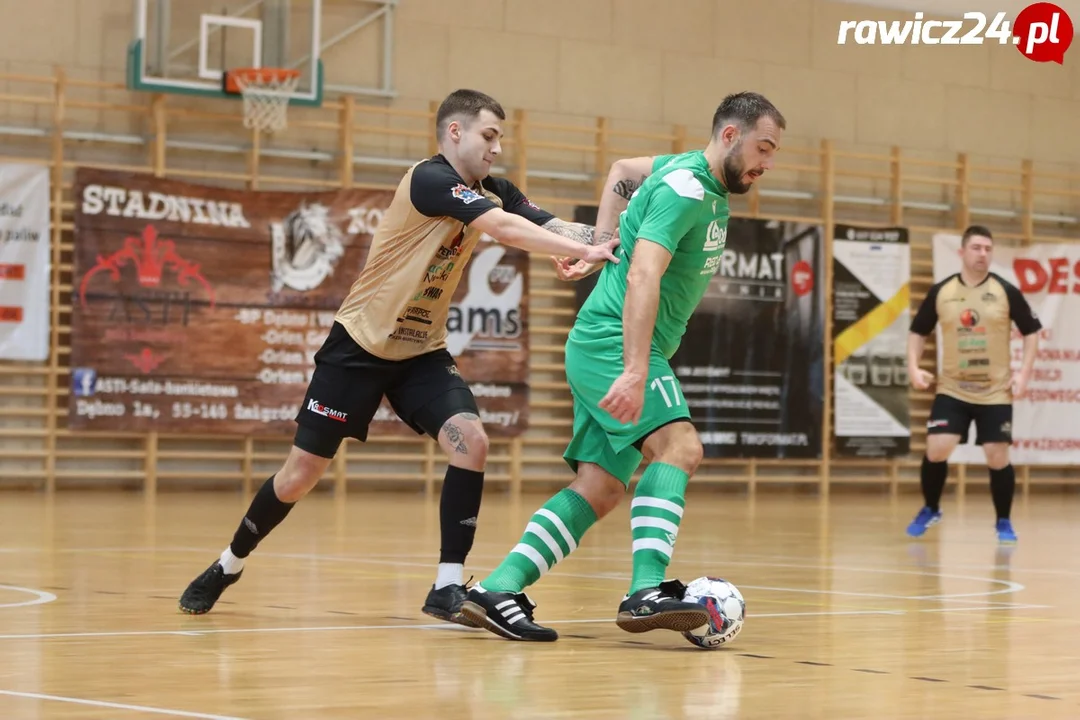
(751, 363)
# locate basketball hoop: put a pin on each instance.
(266, 93)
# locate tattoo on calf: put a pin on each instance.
(626, 188)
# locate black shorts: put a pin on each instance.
(349, 384)
(950, 416)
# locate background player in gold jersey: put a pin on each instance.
(389, 340)
(976, 309)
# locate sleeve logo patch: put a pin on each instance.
(465, 194)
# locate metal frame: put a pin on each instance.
(227, 21)
(137, 78)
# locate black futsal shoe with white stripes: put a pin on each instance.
(660, 608)
(507, 614)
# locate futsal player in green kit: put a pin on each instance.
(628, 404)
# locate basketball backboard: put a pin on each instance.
(185, 46)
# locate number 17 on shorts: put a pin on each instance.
(669, 389)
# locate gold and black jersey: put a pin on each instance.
(398, 307)
(976, 328)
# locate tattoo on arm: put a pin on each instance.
(578, 232)
(455, 437)
(626, 188)
(604, 236)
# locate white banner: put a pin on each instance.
(871, 316)
(1045, 418)
(24, 262)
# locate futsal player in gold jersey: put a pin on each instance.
(976, 310)
(389, 339)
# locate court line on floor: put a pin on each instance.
(117, 706)
(451, 627)
(42, 597)
(1010, 586)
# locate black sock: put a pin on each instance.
(459, 509)
(933, 482)
(263, 515)
(1002, 487)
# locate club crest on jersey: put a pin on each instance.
(305, 246)
(465, 194)
(715, 237)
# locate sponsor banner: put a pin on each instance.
(24, 262)
(200, 309)
(751, 363)
(871, 318)
(1044, 419)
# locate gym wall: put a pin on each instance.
(971, 127)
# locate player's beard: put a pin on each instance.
(733, 171)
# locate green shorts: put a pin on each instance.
(592, 366)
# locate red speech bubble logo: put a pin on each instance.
(1043, 32)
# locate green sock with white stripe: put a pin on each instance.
(655, 514)
(552, 533)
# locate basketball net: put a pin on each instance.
(266, 97)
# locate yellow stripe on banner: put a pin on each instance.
(871, 325)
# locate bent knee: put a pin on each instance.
(937, 455)
(677, 445)
(940, 447)
(997, 457)
(602, 491)
(463, 436)
(300, 473)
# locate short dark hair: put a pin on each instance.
(469, 103)
(745, 109)
(974, 230)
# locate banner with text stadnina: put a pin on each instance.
(24, 262)
(200, 309)
(871, 317)
(751, 363)
(1044, 419)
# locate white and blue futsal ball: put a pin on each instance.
(727, 611)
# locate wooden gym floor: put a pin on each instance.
(847, 617)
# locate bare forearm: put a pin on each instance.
(1031, 350)
(578, 232)
(916, 345)
(520, 233)
(639, 321)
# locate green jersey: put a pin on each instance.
(683, 208)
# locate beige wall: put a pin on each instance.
(655, 62)
(650, 64)
(669, 62)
